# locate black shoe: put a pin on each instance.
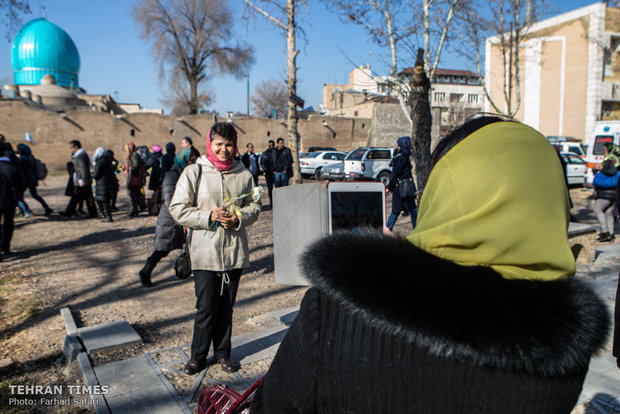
(229, 365)
(610, 237)
(113, 208)
(107, 219)
(193, 367)
(133, 214)
(65, 214)
(48, 212)
(145, 278)
(602, 236)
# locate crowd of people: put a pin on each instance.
(481, 299)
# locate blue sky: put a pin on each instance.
(115, 60)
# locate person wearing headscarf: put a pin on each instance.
(116, 168)
(226, 205)
(401, 169)
(136, 175)
(476, 311)
(167, 160)
(103, 174)
(27, 165)
(605, 197)
(153, 165)
(169, 234)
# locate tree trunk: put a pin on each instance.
(291, 117)
(194, 104)
(421, 121)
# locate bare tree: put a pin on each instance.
(282, 14)
(504, 26)
(422, 121)
(12, 11)
(191, 39)
(270, 95)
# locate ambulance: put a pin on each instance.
(604, 131)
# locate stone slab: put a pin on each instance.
(91, 379)
(72, 347)
(608, 253)
(109, 336)
(135, 387)
(67, 317)
(577, 229)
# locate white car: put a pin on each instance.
(576, 168)
(312, 163)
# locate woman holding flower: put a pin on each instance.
(226, 204)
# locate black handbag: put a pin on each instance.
(183, 263)
(406, 188)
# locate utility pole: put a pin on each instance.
(248, 95)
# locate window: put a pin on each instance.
(456, 97)
(339, 157)
(472, 98)
(440, 97)
(356, 155)
(599, 143)
(379, 155)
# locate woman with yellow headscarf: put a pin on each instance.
(476, 311)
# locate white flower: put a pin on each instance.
(257, 192)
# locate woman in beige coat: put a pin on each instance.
(226, 205)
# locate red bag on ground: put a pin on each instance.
(221, 399)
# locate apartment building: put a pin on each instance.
(569, 72)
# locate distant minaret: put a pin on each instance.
(43, 12)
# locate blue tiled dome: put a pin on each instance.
(40, 48)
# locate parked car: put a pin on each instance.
(315, 149)
(333, 172)
(576, 169)
(313, 163)
(371, 163)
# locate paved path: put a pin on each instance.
(155, 383)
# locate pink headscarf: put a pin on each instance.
(220, 165)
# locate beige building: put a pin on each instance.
(569, 72)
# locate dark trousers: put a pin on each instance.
(82, 194)
(153, 259)
(36, 196)
(7, 216)
(104, 208)
(138, 203)
(269, 179)
(213, 321)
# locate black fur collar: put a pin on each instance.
(467, 313)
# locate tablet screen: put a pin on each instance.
(355, 210)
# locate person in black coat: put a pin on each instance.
(82, 181)
(482, 312)
(115, 185)
(104, 183)
(11, 183)
(153, 165)
(251, 161)
(169, 234)
(266, 163)
(401, 169)
(167, 160)
(28, 169)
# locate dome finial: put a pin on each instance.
(43, 12)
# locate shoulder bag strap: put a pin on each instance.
(196, 187)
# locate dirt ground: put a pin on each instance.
(92, 267)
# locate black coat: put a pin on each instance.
(169, 234)
(81, 166)
(380, 334)
(27, 167)
(11, 184)
(401, 168)
(105, 179)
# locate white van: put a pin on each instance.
(604, 131)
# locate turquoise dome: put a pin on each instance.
(40, 48)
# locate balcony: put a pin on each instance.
(611, 91)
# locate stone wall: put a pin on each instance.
(52, 131)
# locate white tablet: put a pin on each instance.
(355, 205)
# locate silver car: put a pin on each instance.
(371, 163)
(313, 163)
(576, 168)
